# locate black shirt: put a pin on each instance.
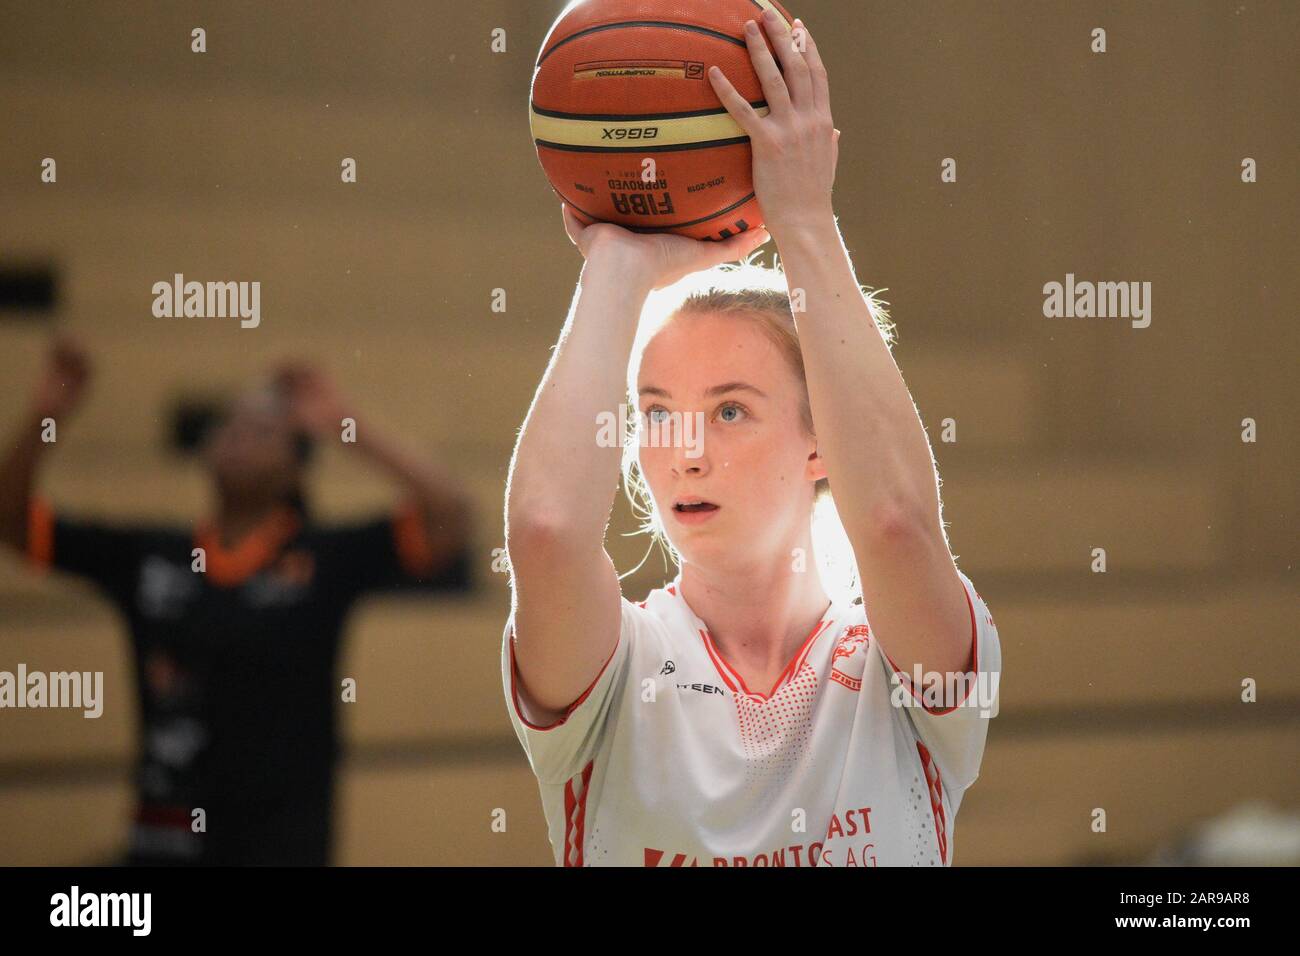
(236, 669)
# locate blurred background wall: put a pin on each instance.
(1121, 690)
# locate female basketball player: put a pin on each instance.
(743, 715)
(235, 660)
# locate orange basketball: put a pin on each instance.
(625, 120)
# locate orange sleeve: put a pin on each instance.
(40, 532)
(411, 535)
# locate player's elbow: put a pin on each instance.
(537, 532)
(891, 523)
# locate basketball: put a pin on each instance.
(626, 123)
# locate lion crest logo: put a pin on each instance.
(853, 638)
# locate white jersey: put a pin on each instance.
(669, 759)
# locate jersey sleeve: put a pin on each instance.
(561, 748)
(953, 730)
(393, 552)
(106, 554)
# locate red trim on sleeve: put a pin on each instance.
(411, 536)
(975, 658)
(568, 711)
(934, 784)
(575, 815)
(40, 532)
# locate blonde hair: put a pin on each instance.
(748, 290)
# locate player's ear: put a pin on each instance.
(816, 466)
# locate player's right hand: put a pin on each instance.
(63, 382)
(663, 258)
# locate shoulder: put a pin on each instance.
(850, 631)
(661, 619)
(145, 537)
(348, 538)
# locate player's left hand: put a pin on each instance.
(795, 146)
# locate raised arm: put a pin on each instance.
(58, 393)
(877, 454)
(562, 481)
(317, 407)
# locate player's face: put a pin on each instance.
(251, 451)
(743, 450)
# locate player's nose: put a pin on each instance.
(688, 454)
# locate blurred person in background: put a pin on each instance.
(236, 664)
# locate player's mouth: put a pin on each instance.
(692, 510)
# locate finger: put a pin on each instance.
(798, 79)
(735, 104)
(571, 224)
(816, 69)
(741, 245)
(774, 90)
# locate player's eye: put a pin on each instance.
(731, 406)
(653, 411)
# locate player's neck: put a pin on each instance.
(757, 619)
